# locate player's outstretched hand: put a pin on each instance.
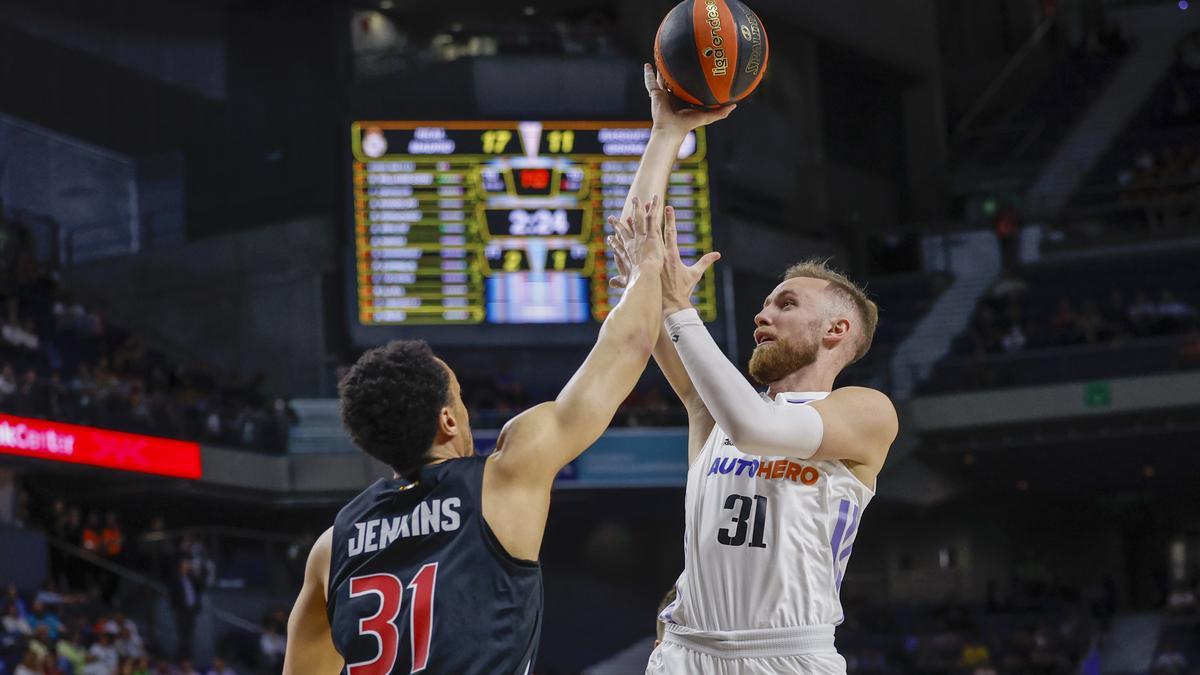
(669, 113)
(679, 279)
(637, 242)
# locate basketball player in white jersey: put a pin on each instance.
(777, 482)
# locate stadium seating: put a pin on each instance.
(1079, 320)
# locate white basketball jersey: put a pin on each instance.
(767, 538)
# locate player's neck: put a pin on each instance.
(442, 452)
(817, 376)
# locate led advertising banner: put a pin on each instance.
(51, 441)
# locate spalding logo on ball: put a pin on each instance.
(711, 52)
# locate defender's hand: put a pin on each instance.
(638, 242)
(669, 113)
(678, 279)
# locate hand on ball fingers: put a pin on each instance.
(669, 112)
(679, 279)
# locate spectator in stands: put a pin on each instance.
(90, 537)
(72, 650)
(1064, 325)
(1014, 339)
(42, 641)
(1170, 661)
(32, 663)
(12, 596)
(48, 594)
(40, 616)
(102, 657)
(8, 385)
(22, 401)
(1182, 599)
(186, 590)
(129, 643)
(272, 644)
(15, 631)
(112, 537)
(1174, 315)
(1091, 325)
(19, 333)
(155, 549)
(1142, 314)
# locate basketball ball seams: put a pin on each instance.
(713, 26)
(677, 60)
(753, 54)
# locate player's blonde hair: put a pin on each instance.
(847, 293)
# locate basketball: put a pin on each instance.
(711, 52)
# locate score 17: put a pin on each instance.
(495, 140)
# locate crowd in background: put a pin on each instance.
(76, 611)
(61, 360)
(53, 633)
(1003, 324)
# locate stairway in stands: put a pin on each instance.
(974, 260)
(1129, 645)
(320, 428)
(1154, 32)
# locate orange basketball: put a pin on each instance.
(711, 52)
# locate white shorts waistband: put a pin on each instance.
(754, 643)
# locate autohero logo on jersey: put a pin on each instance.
(779, 469)
(435, 515)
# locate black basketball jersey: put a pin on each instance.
(418, 582)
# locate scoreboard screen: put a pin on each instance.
(504, 222)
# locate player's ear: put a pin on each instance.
(448, 427)
(836, 331)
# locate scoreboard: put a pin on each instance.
(504, 222)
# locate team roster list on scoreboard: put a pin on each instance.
(505, 222)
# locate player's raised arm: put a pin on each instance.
(310, 647)
(535, 445)
(672, 123)
(700, 421)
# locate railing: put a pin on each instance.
(143, 581)
(1018, 59)
(1063, 364)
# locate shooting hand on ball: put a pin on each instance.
(669, 113)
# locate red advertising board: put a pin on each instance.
(56, 442)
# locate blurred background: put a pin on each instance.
(211, 207)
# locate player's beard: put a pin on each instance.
(782, 357)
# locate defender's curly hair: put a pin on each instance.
(390, 401)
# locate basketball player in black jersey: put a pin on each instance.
(436, 569)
